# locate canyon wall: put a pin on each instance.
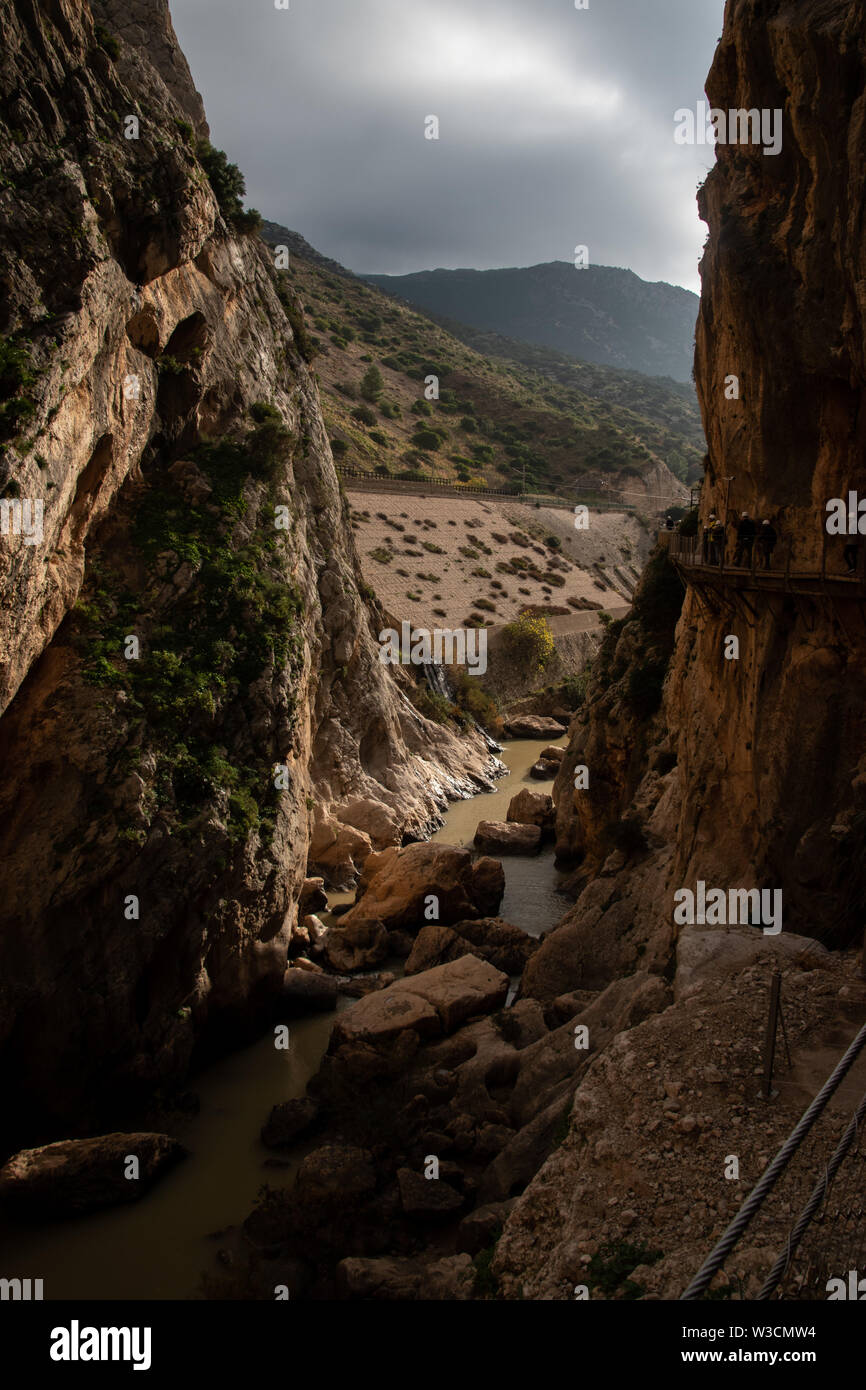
(750, 773)
(190, 681)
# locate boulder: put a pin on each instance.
(707, 956)
(534, 726)
(335, 1174)
(443, 1280)
(339, 851)
(531, 808)
(507, 837)
(382, 1016)
(544, 770)
(552, 754)
(488, 885)
(376, 821)
(427, 1199)
(287, 1122)
(78, 1175)
(356, 946)
(305, 992)
(505, 947)
(400, 881)
(434, 945)
(458, 990)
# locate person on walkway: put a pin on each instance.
(745, 540)
(706, 540)
(766, 543)
(718, 541)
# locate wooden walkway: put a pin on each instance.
(784, 576)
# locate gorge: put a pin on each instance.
(513, 1071)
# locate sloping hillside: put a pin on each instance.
(496, 421)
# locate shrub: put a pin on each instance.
(112, 48)
(529, 642)
(422, 408)
(381, 555)
(381, 439)
(426, 439)
(339, 447)
(364, 415)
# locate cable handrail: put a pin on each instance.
(717, 1256)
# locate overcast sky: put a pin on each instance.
(555, 126)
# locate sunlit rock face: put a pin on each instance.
(157, 801)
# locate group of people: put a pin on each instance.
(750, 536)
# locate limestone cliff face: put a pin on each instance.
(771, 747)
(768, 789)
(156, 400)
(751, 774)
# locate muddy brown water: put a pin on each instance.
(157, 1248)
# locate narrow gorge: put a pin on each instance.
(375, 968)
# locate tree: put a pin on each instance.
(372, 384)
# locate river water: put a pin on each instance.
(158, 1247)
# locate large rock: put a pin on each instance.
(534, 726)
(356, 946)
(552, 754)
(488, 885)
(382, 1016)
(306, 992)
(334, 1175)
(288, 1121)
(437, 1001)
(507, 837)
(507, 948)
(544, 770)
(458, 990)
(339, 851)
(480, 1228)
(77, 1175)
(704, 957)
(400, 882)
(531, 808)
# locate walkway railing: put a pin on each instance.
(754, 1202)
(694, 555)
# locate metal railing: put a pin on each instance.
(698, 553)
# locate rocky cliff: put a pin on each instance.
(189, 675)
(751, 772)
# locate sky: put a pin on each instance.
(555, 126)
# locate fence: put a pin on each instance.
(360, 481)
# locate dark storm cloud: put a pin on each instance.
(556, 125)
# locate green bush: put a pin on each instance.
(364, 415)
(529, 642)
(426, 439)
(372, 384)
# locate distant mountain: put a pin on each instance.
(508, 411)
(600, 314)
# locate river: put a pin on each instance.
(158, 1247)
